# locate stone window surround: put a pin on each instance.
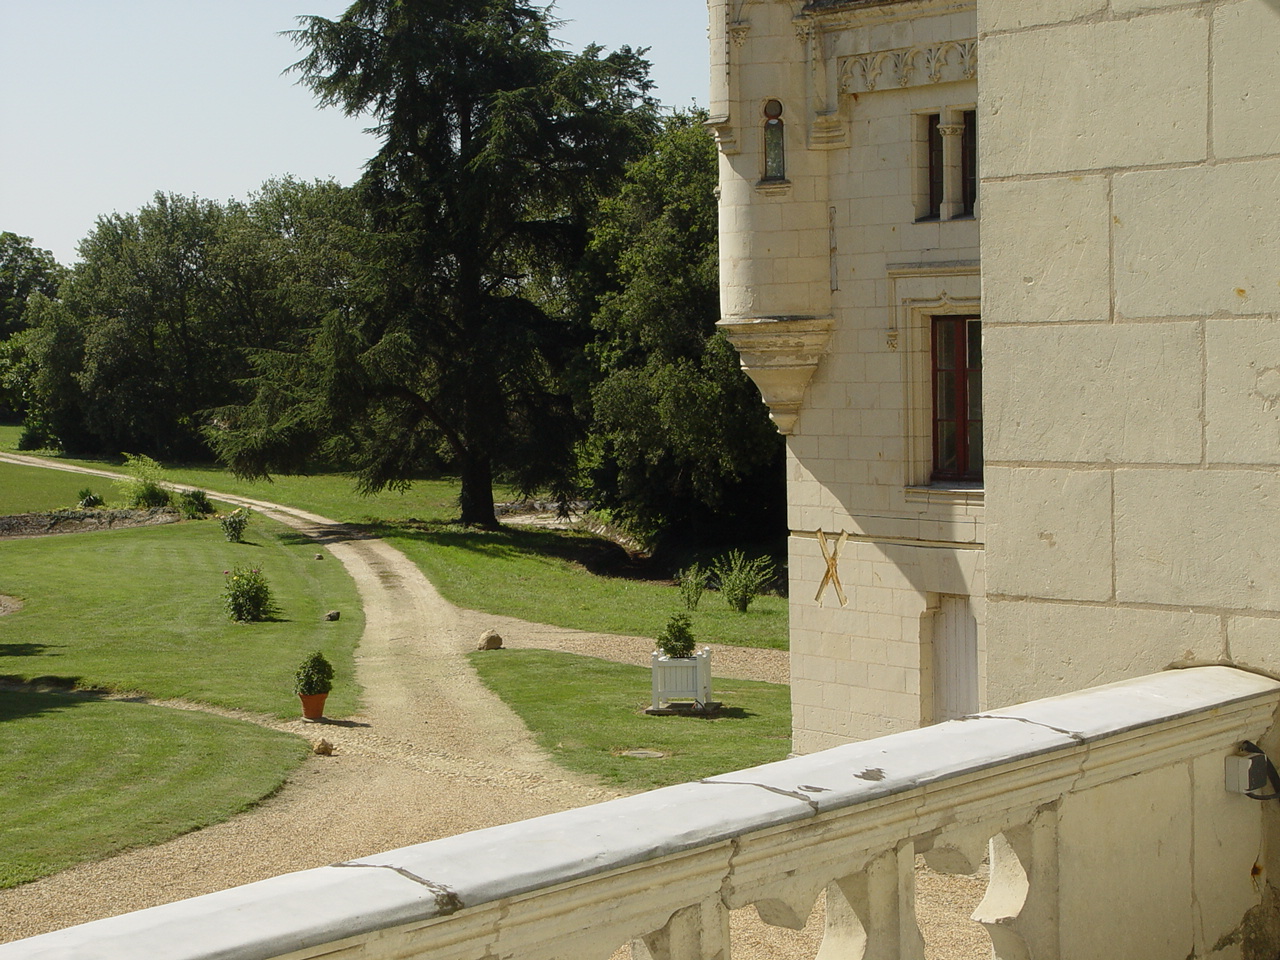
(917, 293)
(951, 125)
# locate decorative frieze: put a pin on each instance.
(947, 62)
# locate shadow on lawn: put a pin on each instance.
(596, 555)
(26, 650)
(34, 698)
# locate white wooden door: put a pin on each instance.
(955, 651)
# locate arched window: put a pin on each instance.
(775, 160)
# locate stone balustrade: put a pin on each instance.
(1104, 811)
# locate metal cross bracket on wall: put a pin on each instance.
(832, 576)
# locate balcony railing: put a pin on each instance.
(1104, 813)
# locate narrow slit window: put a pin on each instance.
(936, 163)
(969, 164)
(775, 159)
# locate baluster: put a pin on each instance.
(1020, 909)
(872, 915)
(697, 932)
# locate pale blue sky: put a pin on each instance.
(104, 102)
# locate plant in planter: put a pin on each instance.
(678, 672)
(312, 682)
(676, 638)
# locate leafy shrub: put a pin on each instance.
(314, 675)
(234, 524)
(247, 597)
(194, 504)
(144, 487)
(741, 580)
(676, 638)
(86, 499)
(692, 580)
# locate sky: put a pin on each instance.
(105, 102)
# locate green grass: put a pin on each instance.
(35, 489)
(81, 779)
(586, 712)
(141, 610)
(533, 575)
(530, 574)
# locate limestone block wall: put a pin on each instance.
(1131, 288)
(842, 242)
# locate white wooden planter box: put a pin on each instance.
(682, 678)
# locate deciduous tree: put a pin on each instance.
(679, 439)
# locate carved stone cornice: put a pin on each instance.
(780, 354)
(946, 62)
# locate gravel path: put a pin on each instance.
(434, 753)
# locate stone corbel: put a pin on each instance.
(780, 354)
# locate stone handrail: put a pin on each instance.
(1113, 795)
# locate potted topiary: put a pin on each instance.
(678, 672)
(312, 682)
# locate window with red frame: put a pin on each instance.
(957, 398)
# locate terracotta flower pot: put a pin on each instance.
(312, 705)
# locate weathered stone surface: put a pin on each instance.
(1050, 647)
(1254, 642)
(1242, 395)
(1093, 393)
(765, 835)
(1069, 98)
(490, 640)
(1049, 240)
(1050, 533)
(1198, 241)
(1014, 14)
(1198, 538)
(1097, 852)
(1245, 88)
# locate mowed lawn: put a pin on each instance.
(140, 610)
(35, 489)
(82, 778)
(589, 714)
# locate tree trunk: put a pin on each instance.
(476, 498)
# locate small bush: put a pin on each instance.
(692, 580)
(741, 580)
(676, 638)
(144, 487)
(314, 675)
(234, 524)
(86, 499)
(194, 504)
(247, 597)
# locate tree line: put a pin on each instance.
(522, 288)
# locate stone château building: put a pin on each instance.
(1006, 274)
